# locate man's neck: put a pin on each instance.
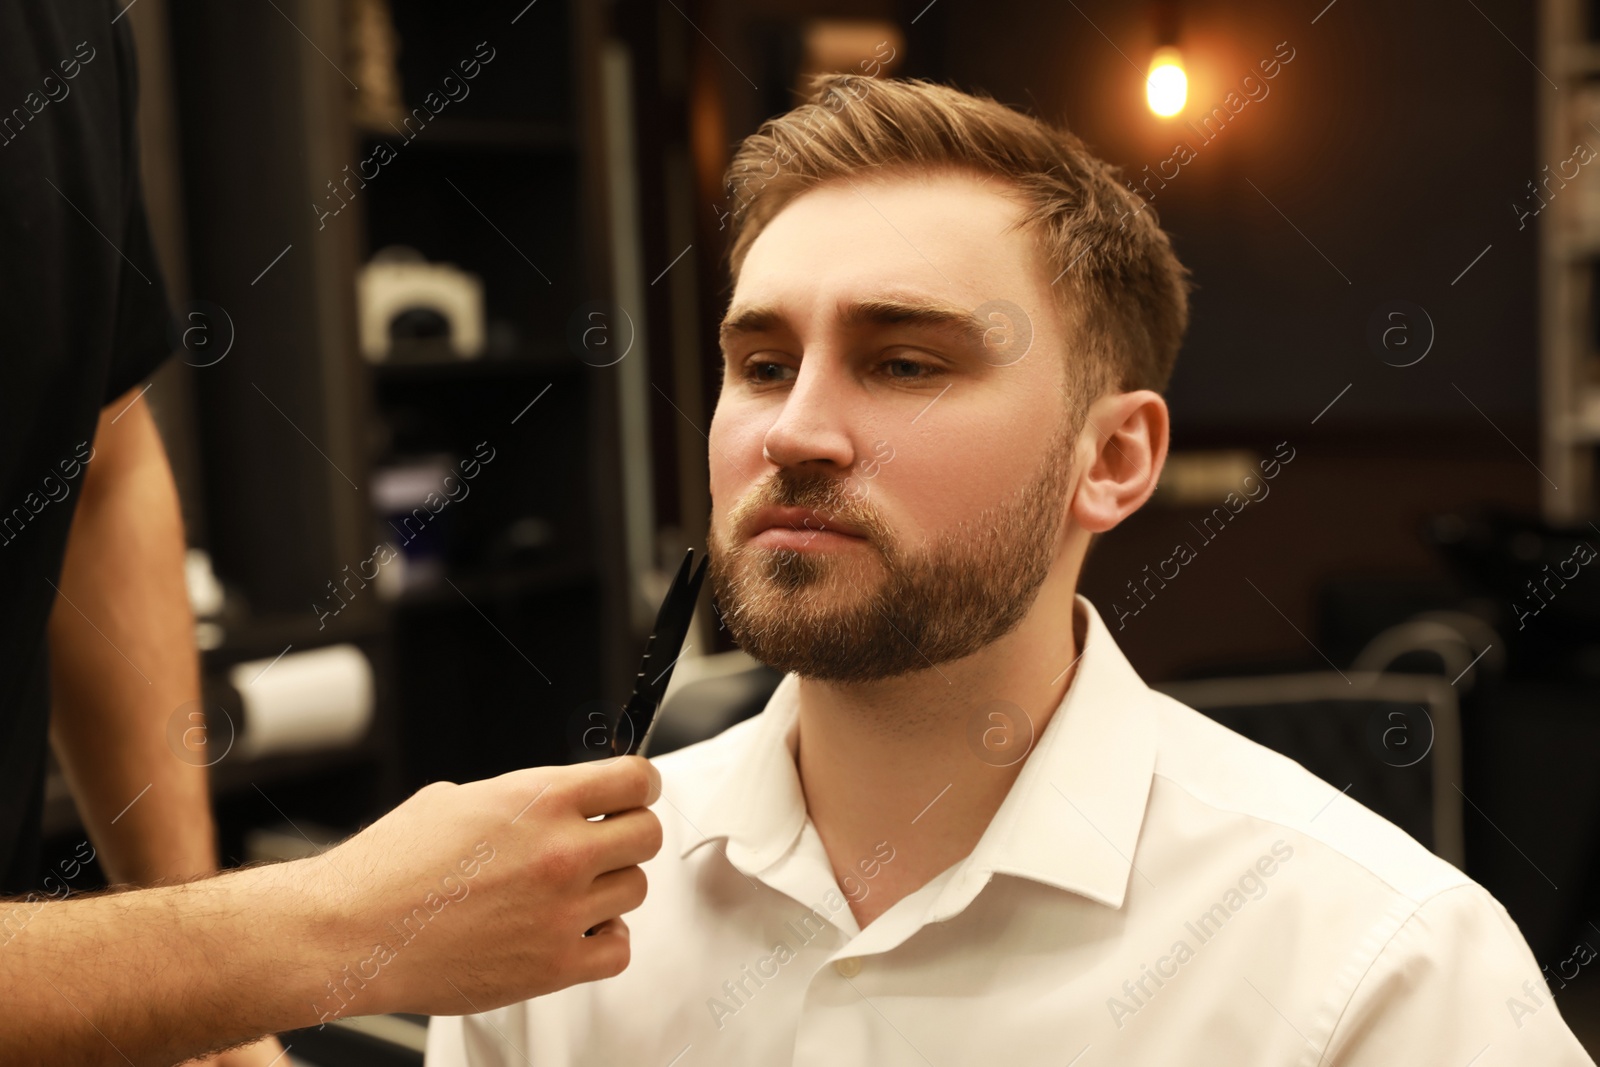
(915, 767)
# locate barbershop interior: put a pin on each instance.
(446, 282)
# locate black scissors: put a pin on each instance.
(672, 626)
(666, 640)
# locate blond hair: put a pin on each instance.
(1119, 286)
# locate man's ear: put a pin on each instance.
(1122, 448)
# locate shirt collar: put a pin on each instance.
(1071, 819)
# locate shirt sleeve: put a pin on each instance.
(140, 335)
(1457, 984)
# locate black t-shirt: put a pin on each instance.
(83, 318)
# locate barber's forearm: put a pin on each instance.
(123, 661)
(167, 973)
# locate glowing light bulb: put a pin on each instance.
(1167, 87)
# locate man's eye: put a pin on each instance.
(908, 369)
(764, 371)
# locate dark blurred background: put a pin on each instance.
(514, 291)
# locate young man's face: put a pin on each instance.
(888, 494)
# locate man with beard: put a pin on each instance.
(963, 830)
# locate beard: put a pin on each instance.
(833, 617)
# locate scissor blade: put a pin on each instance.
(665, 643)
(674, 638)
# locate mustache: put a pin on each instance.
(830, 497)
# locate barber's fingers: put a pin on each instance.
(613, 894)
(610, 786)
(625, 840)
(589, 789)
(605, 952)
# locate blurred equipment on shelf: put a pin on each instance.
(403, 495)
(205, 592)
(303, 701)
(206, 598)
(374, 48)
(414, 311)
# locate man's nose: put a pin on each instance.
(813, 426)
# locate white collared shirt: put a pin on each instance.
(1154, 889)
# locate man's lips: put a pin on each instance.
(805, 521)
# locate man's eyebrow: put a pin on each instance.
(879, 311)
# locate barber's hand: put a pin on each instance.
(470, 897)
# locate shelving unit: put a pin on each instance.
(529, 614)
(531, 619)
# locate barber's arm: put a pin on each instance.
(462, 899)
(509, 872)
(123, 660)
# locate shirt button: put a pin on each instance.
(849, 967)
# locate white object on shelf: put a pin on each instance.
(304, 701)
(205, 592)
(398, 280)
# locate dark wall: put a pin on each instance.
(1394, 141)
(1376, 165)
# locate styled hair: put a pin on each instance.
(1119, 287)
